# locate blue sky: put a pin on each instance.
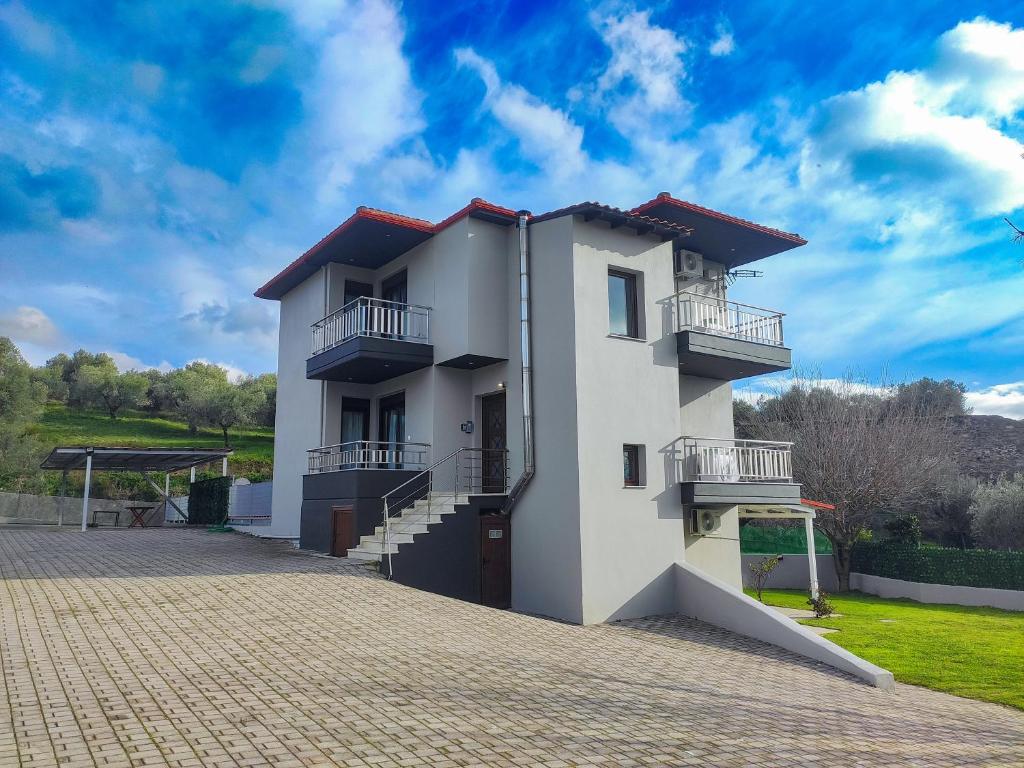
(159, 161)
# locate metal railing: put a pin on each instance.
(466, 471)
(717, 460)
(372, 317)
(727, 318)
(367, 454)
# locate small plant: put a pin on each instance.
(761, 570)
(821, 605)
(905, 530)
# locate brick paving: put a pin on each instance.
(188, 648)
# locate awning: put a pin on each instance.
(133, 459)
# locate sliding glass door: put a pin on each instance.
(391, 428)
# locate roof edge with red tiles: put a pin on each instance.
(665, 198)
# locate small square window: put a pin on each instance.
(622, 304)
(633, 466)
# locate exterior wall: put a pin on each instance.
(489, 316)
(546, 522)
(627, 393)
(705, 410)
(793, 573)
(297, 425)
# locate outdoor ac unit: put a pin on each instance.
(689, 264)
(704, 522)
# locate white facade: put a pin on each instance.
(585, 546)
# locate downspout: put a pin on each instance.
(522, 224)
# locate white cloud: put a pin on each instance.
(724, 42)
(126, 362)
(1000, 400)
(363, 101)
(546, 135)
(262, 63)
(235, 373)
(148, 78)
(32, 34)
(644, 55)
(29, 324)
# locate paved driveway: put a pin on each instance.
(190, 648)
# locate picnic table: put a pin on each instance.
(138, 515)
(115, 512)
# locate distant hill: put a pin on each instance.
(990, 446)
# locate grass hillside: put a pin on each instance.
(253, 446)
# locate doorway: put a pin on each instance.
(391, 428)
(343, 531)
(493, 443)
(495, 561)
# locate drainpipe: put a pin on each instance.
(522, 224)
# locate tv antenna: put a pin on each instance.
(732, 275)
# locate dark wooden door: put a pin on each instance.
(493, 444)
(344, 532)
(495, 561)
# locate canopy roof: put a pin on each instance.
(132, 459)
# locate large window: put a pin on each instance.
(622, 304)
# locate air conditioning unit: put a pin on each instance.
(689, 264)
(704, 522)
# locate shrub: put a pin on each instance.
(821, 605)
(905, 530)
(761, 570)
(997, 569)
(208, 501)
(998, 514)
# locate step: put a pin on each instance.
(404, 526)
(375, 548)
(364, 555)
(397, 537)
(441, 507)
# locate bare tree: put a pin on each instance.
(1018, 233)
(857, 447)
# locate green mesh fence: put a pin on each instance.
(780, 540)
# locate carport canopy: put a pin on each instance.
(804, 510)
(142, 460)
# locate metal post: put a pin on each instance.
(192, 475)
(224, 467)
(63, 498)
(88, 481)
(812, 564)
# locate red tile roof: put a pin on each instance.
(665, 198)
(628, 217)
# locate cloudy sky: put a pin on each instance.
(159, 161)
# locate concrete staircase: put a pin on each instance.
(413, 520)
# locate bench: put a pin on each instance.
(115, 512)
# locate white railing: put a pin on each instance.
(367, 454)
(372, 317)
(716, 460)
(727, 318)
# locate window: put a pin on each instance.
(622, 304)
(633, 466)
(356, 290)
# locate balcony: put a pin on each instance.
(368, 454)
(721, 339)
(725, 472)
(370, 340)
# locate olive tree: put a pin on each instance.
(858, 447)
(102, 386)
(998, 514)
(21, 403)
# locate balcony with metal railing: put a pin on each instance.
(728, 471)
(721, 339)
(368, 454)
(370, 340)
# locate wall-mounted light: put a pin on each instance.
(467, 427)
(502, 385)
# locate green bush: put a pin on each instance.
(208, 501)
(997, 569)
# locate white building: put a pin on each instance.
(401, 349)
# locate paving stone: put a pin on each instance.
(185, 648)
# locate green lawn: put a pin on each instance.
(972, 652)
(254, 447)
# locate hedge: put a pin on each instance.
(208, 501)
(996, 569)
(780, 540)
